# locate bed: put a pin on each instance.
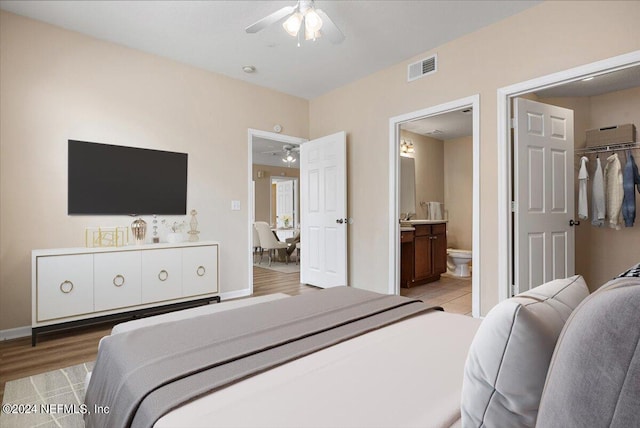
(523, 365)
(381, 378)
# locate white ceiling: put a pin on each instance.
(445, 126)
(210, 34)
(269, 152)
(600, 84)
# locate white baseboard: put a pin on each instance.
(15, 333)
(234, 294)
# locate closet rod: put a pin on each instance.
(608, 148)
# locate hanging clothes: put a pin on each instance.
(630, 179)
(583, 177)
(597, 196)
(614, 190)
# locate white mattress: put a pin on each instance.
(407, 374)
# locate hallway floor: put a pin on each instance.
(453, 294)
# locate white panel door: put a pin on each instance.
(199, 270)
(323, 206)
(161, 275)
(117, 280)
(284, 203)
(543, 191)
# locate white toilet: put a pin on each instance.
(458, 262)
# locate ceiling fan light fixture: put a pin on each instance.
(292, 24)
(289, 158)
(312, 21)
(302, 21)
(311, 35)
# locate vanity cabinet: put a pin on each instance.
(425, 258)
(76, 286)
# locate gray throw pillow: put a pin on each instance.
(509, 357)
(594, 376)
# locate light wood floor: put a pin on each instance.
(57, 350)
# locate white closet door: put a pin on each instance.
(543, 158)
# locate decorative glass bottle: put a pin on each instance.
(193, 224)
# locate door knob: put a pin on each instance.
(340, 221)
(574, 223)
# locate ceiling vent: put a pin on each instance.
(422, 68)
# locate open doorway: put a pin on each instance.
(273, 175)
(601, 94)
(285, 204)
(438, 209)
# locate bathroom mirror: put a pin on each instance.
(407, 187)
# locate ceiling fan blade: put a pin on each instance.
(270, 19)
(329, 29)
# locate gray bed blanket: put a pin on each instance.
(143, 374)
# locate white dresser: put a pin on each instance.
(75, 286)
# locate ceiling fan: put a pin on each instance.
(304, 20)
(288, 152)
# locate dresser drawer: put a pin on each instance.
(64, 286)
(117, 280)
(199, 270)
(161, 275)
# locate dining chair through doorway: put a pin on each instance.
(268, 240)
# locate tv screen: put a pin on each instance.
(107, 179)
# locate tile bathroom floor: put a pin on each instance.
(453, 294)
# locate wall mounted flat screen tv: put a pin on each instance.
(108, 179)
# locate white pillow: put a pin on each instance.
(509, 357)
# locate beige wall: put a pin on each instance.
(458, 192)
(602, 252)
(429, 159)
(548, 38)
(57, 85)
(263, 188)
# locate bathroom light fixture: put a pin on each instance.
(248, 69)
(406, 146)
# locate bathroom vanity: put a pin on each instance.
(423, 253)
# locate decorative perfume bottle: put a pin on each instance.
(193, 224)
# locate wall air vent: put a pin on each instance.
(422, 68)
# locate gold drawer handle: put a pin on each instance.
(163, 275)
(201, 271)
(70, 288)
(118, 281)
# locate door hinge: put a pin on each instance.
(512, 123)
(514, 207)
(514, 291)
